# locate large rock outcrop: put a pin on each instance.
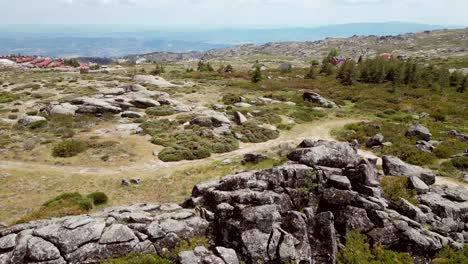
(114, 232)
(298, 212)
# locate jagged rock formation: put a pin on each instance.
(119, 100)
(144, 228)
(299, 211)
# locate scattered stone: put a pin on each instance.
(460, 136)
(135, 181)
(60, 108)
(387, 144)
(27, 120)
(376, 140)
(239, 118)
(340, 182)
(142, 102)
(253, 158)
(417, 184)
(125, 182)
(325, 153)
(425, 146)
(132, 114)
(317, 98)
(242, 105)
(419, 131)
(218, 107)
(227, 162)
(393, 166)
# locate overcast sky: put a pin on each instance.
(220, 13)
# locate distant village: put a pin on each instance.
(35, 62)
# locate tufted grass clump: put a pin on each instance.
(138, 259)
(163, 110)
(358, 251)
(396, 187)
(253, 133)
(187, 245)
(65, 204)
(69, 148)
(98, 198)
(448, 255)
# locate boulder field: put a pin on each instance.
(299, 211)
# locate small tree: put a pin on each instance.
(311, 74)
(256, 75)
(229, 68)
(347, 73)
(327, 69)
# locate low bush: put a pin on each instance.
(460, 163)
(163, 110)
(37, 124)
(396, 187)
(98, 198)
(187, 245)
(230, 99)
(410, 154)
(450, 147)
(358, 251)
(69, 148)
(187, 151)
(138, 259)
(307, 115)
(6, 97)
(253, 133)
(448, 255)
(63, 205)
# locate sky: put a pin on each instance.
(232, 13)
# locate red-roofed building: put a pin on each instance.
(338, 60)
(386, 56)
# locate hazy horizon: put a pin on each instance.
(231, 13)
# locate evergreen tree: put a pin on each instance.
(256, 75)
(347, 73)
(311, 73)
(229, 69)
(327, 69)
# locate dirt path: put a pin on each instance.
(316, 130)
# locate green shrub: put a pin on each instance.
(230, 99)
(358, 251)
(306, 114)
(37, 124)
(69, 148)
(63, 205)
(163, 110)
(75, 198)
(6, 97)
(396, 187)
(460, 163)
(449, 147)
(410, 154)
(138, 259)
(98, 198)
(253, 133)
(187, 245)
(187, 151)
(448, 255)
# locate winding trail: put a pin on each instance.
(316, 130)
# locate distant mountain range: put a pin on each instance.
(116, 41)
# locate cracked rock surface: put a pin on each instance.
(299, 211)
